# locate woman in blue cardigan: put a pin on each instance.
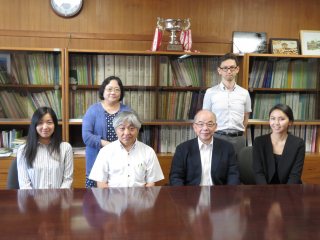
(97, 129)
(278, 157)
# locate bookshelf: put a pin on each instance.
(29, 78)
(290, 79)
(164, 88)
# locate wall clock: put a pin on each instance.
(66, 8)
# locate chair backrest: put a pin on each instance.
(245, 166)
(12, 181)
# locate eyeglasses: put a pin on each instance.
(231, 68)
(208, 124)
(109, 90)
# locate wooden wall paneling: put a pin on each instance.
(213, 22)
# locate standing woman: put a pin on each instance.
(278, 157)
(44, 161)
(97, 129)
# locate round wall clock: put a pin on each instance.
(66, 8)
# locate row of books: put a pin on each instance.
(171, 105)
(284, 73)
(303, 105)
(179, 105)
(133, 70)
(23, 104)
(191, 71)
(306, 132)
(166, 138)
(30, 68)
(80, 101)
(10, 141)
(142, 102)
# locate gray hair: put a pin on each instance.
(128, 117)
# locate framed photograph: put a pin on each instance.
(310, 42)
(284, 46)
(249, 42)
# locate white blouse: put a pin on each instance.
(47, 171)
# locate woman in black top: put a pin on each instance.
(278, 157)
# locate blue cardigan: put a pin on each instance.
(94, 128)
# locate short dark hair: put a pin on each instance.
(106, 82)
(228, 56)
(283, 108)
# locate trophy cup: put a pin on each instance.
(174, 26)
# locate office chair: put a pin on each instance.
(245, 166)
(12, 181)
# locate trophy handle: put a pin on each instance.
(186, 24)
(160, 23)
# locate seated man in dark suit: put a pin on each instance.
(204, 160)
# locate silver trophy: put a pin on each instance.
(174, 26)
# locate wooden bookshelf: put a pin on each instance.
(33, 77)
(290, 79)
(168, 71)
(71, 127)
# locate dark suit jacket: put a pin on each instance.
(186, 164)
(289, 168)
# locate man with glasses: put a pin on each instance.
(230, 102)
(126, 162)
(204, 160)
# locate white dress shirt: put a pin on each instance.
(206, 160)
(229, 106)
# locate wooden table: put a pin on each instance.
(219, 212)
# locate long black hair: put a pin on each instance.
(31, 148)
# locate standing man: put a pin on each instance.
(204, 160)
(230, 102)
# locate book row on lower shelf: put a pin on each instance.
(164, 139)
(10, 142)
(307, 132)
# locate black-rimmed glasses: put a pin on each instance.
(231, 68)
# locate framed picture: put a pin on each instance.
(249, 42)
(310, 42)
(284, 46)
